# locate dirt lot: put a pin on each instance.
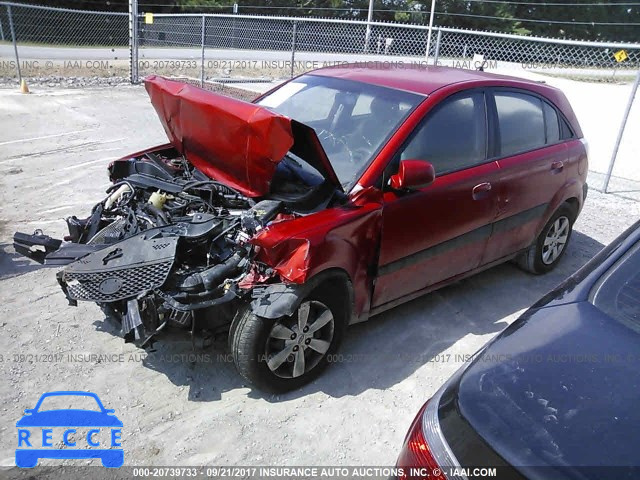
(191, 408)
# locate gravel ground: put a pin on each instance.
(186, 407)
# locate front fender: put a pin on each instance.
(344, 239)
(283, 299)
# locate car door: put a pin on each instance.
(439, 231)
(532, 156)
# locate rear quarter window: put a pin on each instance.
(551, 123)
(565, 130)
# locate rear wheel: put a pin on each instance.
(551, 244)
(285, 353)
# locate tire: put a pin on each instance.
(542, 258)
(256, 351)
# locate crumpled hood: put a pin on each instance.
(232, 141)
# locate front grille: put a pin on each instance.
(113, 285)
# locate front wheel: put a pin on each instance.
(551, 244)
(283, 354)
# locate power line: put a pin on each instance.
(283, 7)
(508, 2)
(468, 15)
(451, 14)
(619, 24)
(292, 7)
(551, 4)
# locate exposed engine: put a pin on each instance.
(167, 247)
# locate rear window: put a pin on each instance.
(618, 292)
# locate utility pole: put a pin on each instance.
(15, 44)
(433, 10)
(133, 40)
(367, 37)
(625, 117)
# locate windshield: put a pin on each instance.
(353, 120)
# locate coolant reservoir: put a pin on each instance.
(157, 199)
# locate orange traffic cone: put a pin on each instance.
(23, 86)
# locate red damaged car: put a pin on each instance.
(334, 197)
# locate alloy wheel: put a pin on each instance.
(298, 343)
(555, 240)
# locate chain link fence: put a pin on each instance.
(533, 50)
(57, 45)
(63, 27)
(197, 40)
(222, 31)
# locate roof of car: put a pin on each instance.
(411, 77)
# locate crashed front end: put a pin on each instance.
(154, 259)
(171, 245)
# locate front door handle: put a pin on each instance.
(556, 167)
(481, 191)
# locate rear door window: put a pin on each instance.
(520, 121)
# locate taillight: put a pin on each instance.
(416, 460)
(426, 454)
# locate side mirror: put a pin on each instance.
(412, 175)
(29, 411)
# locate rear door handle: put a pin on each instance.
(481, 191)
(556, 167)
